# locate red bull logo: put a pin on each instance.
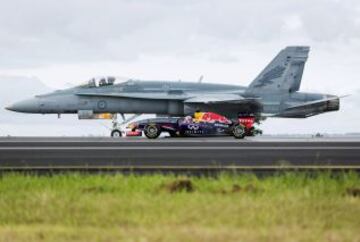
(210, 117)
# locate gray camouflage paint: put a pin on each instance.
(273, 93)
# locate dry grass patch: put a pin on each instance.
(179, 185)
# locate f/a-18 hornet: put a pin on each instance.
(273, 93)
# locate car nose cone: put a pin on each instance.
(26, 106)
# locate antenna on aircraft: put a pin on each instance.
(200, 79)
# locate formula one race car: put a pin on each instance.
(208, 124)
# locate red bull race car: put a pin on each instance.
(204, 124)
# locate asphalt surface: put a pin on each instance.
(178, 155)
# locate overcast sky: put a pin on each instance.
(229, 41)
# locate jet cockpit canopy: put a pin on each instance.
(101, 81)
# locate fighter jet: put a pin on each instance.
(273, 93)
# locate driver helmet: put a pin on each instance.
(198, 115)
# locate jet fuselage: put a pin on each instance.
(273, 93)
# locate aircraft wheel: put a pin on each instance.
(152, 131)
(116, 133)
(239, 131)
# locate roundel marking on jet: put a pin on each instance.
(102, 104)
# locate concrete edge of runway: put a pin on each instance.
(179, 170)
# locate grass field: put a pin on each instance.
(289, 207)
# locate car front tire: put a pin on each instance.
(152, 131)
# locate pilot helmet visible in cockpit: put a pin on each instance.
(92, 82)
(111, 80)
(102, 82)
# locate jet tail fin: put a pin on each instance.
(283, 73)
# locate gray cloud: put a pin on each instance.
(41, 32)
(227, 41)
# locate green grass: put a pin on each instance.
(290, 207)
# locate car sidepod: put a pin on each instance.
(204, 129)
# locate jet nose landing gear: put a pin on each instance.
(116, 133)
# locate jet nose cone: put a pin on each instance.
(26, 106)
(10, 108)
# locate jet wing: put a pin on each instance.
(137, 95)
(218, 98)
(186, 97)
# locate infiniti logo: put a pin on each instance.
(193, 126)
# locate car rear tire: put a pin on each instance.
(116, 133)
(152, 131)
(239, 131)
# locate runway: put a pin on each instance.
(179, 155)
